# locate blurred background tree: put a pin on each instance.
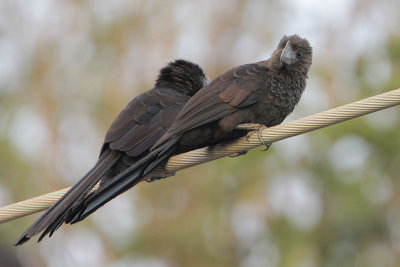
(328, 198)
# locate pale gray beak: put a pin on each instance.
(288, 56)
(205, 81)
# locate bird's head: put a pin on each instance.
(293, 53)
(182, 74)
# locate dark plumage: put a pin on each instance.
(139, 125)
(264, 92)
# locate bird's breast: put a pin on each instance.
(279, 97)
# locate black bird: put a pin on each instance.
(139, 125)
(265, 93)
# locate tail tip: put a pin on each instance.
(21, 240)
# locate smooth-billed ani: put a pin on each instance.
(265, 93)
(139, 125)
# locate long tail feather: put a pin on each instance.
(52, 218)
(122, 182)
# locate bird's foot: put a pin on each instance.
(255, 127)
(237, 154)
(156, 177)
(259, 134)
(267, 146)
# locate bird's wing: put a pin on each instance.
(235, 89)
(143, 121)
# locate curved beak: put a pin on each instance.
(205, 81)
(288, 56)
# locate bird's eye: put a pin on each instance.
(299, 54)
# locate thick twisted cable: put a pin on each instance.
(290, 129)
(253, 139)
(32, 205)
